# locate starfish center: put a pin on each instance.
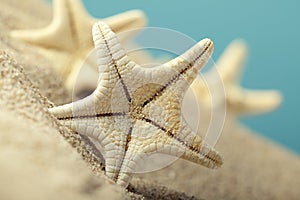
(135, 112)
(138, 105)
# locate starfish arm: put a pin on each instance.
(89, 107)
(196, 148)
(80, 13)
(110, 134)
(115, 155)
(188, 65)
(48, 36)
(109, 51)
(184, 69)
(249, 102)
(181, 143)
(175, 76)
(64, 111)
(232, 61)
(104, 128)
(133, 155)
(112, 57)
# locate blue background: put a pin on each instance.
(270, 27)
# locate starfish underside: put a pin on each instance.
(136, 111)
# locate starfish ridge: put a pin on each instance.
(135, 111)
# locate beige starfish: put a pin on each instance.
(136, 111)
(238, 100)
(66, 40)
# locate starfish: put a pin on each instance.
(67, 39)
(135, 111)
(239, 101)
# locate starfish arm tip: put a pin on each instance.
(277, 98)
(109, 48)
(232, 60)
(240, 44)
(62, 111)
(269, 100)
(22, 35)
(253, 102)
(211, 158)
(200, 53)
(126, 21)
(35, 37)
(205, 46)
(139, 17)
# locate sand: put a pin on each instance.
(39, 159)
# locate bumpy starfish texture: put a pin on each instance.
(238, 100)
(67, 37)
(135, 111)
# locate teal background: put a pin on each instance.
(270, 27)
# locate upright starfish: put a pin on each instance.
(238, 100)
(136, 111)
(67, 37)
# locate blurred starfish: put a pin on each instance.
(136, 111)
(238, 100)
(66, 40)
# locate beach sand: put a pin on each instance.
(37, 162)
